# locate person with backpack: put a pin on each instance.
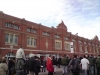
(98, 65)
(75, 63)
(85, 65)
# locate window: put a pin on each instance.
(67, 45)
(58, 45)
(31, 30)
(31, 42)
(11, 39)
(66, 38)
(7, 37)
(94, 49)
(73, 40)
(85, 43)
(90, 49)
(16, 39)
(16, 27)
(28, 41)
(80, 48)
(28, 30)
(86, 50)
(57, 36)
(45, 33)
(11, 25)
(35, 40)
(80, 41)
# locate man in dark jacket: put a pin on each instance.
(65, 62)
(37, 65)
(59, 62)
(75, 65)
(98, 65)
(10, 65)
(54, 60)
(92, 64)
(31, 65)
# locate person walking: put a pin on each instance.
(20, 62)
(65, 62)
(43, 64)
(54, 60)
(59, 62)
(75, 63)
(98, 65)
(37, 65)
(31, 64)
(3, 67)
(92, 64)
(49, 65)
(85, 65)
(11, 66)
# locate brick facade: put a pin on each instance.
(45, 44)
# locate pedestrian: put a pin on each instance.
(20, 62)
(65, 62)
(3, 67)
(27, 65)
(98, 65)
(88, 70)
(49, 65)
(54, 63)
(11, 66)
(59, 62)
(92, 64)
(31, 62)
(37, 65)
(43, 64)
(75, 63)
(85, 65)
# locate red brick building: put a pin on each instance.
(39, 39)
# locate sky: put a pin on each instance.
(79, 16)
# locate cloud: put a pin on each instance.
(80, 16)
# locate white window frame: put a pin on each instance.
(31, 42)
(9, 39)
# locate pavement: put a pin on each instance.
(57, 70)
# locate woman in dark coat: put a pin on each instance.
(37, 65)
(11, 66)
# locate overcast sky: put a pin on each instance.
(80, 16)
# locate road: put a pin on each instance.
(58, 72)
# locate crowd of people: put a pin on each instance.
(20, 65)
